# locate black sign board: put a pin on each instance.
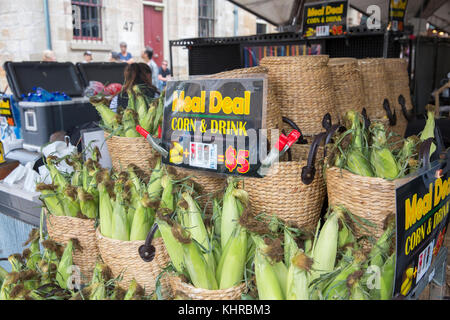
(397, 10)
(325, 19)
(214, 125)
(422, 218)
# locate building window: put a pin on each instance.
(206, 18)
(261, 28)
(87, 19)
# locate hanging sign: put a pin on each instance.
(214, 125)
(422, 218)
(397, 10)
(325, 19)
(6, 111)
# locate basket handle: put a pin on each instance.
(366, 118)
(326, 121)
(330, 134)
(302, 139)
(391, 116)
(147, 251)
(402, 102)
(309, 171)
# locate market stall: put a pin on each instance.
(291, 180)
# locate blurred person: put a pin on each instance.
(49, 56)
(124, 55)
(135, 74)
(163, 75)
(87, 57)
(147, 56)
(114, 57)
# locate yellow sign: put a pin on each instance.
(2, 153)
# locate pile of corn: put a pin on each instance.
(148, 113)
(211, 253)
(74, 194)
(48, 274)
(365, 151)
(293, 264)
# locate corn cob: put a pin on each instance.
(129, 124)
(230, 214)
(64, 271)
(88, 205)
(267, 282)
(194, 223)
(381, 158)
(51, 199)
(387, 278)
(167, 198)
(143, 220)
(154, 188)
(106, 208)
(173, 246)
(70, 202)
(325, 247)
(297, 278)
(120, 226)
(235, 258)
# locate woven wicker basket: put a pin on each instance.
(370, 198)
(283, 193)
(124, 151)
(347, 85)
(62, 229)
(303, 90)
(123, 257)
(375, 84)
(398, 80)
(273, 113)
(178, 286)
(209, 185)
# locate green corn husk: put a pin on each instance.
(230, 213)
(345, 236)
(133, 176)
(143, 220)
(147, 121)
(337, 289)
(132, 98)
(129, 124)
(98, 291)
(428, 131)
(381, 158)
(282, 273)
(325, 247)
(70, 202)
(167, 198)
(108, 116)
(52, 200)
(106, 208)
(381, 248)
(297, 278)
(134, 291)
(235, 258)
(199, 272)
(3, 275)
(35, 255)
(120, 225)
(217, 217)
(88, 205)
(159, 114)
(197, 229)
(290, 247)
(387, 278)
(64, 271)
(266, 279)
(358, 164)
(141, 107)
(354, 285)
(57, 177)
(154, 188)
(407, 158)
(173, 246)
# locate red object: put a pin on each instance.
(113, 89)
(281, 143)
(159, 132)
(142, 131)
(293, 137)
(153, 31)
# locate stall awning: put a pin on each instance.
(283, 12)
(277, 12)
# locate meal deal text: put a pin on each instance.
(325, 19)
